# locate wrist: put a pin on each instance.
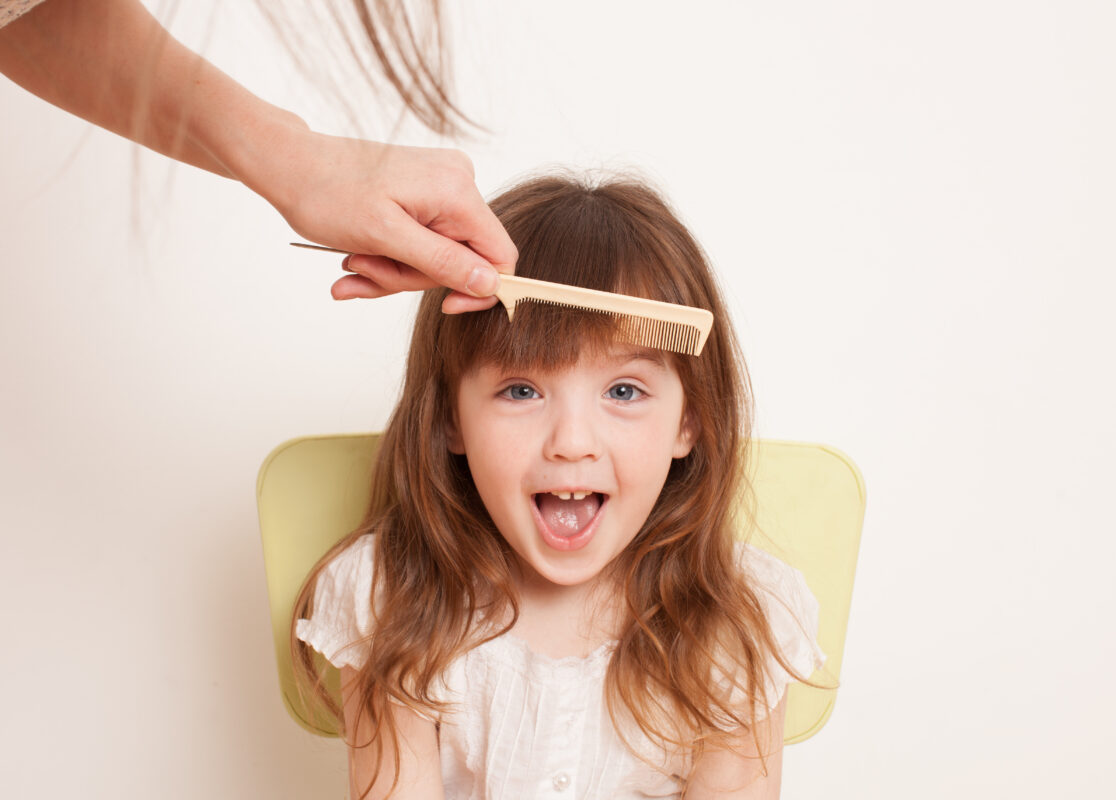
(259, 148)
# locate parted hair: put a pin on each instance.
(688, 669)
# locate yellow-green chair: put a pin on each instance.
(808, 510)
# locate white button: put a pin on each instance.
(561, 782)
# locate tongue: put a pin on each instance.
(567, 518)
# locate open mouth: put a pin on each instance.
(567, 519)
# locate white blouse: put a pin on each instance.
(526, 725)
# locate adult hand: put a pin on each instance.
(412, 217)
(413, 214)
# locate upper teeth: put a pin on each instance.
(571, 495)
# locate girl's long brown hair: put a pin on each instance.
(693, 629)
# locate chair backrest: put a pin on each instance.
(808, 510)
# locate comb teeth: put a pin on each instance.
(647, 323)
(676, 337)
(659, 334)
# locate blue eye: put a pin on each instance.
(624, 391)
(520, 391)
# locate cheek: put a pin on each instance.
(646, 463)
(494, 461)
(486, 479)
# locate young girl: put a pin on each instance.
(547, 597)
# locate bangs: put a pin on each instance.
(609, 238)
(540, 337)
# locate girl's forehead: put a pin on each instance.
(615, 357)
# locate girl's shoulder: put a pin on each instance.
(343, 618)
(791, 610)
(773, 577)
(348, 573)
(354, 562)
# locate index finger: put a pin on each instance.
(441, 253)
(477, 225)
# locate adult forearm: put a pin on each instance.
(112, 63)
(414, 214)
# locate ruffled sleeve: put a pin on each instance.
(792, 613)
(342, 618)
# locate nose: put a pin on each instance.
(573, 435)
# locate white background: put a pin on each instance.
(911, 206)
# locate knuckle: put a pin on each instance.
(461, 163)
(461, 158)
(377, 229)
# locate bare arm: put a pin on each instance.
(415, 214)
(741, 774)
(111, 63)
(420, 774)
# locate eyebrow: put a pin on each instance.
(641, 354)
(621, 357)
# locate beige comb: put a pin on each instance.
(647, 323)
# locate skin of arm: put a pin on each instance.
(420, 774)
(739, 773)
(103, 60)
(414, 214)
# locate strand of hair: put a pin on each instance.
(642, 331)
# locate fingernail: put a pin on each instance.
(483, 281)
(345, 263)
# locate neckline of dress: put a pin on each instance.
(520, 646)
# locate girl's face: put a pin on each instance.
(569, 463)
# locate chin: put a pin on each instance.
(568, 574)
